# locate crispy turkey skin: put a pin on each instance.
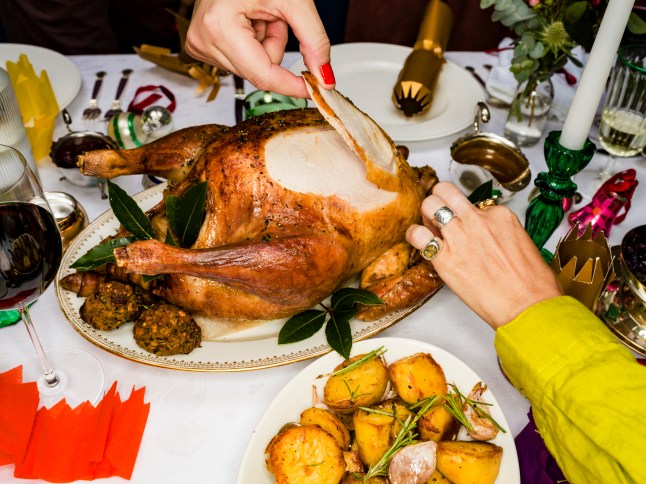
(297, 203)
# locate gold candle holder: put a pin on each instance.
(583, 265)
(413, 92)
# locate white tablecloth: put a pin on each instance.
(200, 423)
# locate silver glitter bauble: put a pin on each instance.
(158, 121)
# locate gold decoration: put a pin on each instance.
(413, 92)
(583, 265)
(182, 63)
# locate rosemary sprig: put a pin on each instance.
(406, 436)
(479, 411)
(453, 405)
(369, 356)
(457, 400)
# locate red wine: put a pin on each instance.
(30, 252)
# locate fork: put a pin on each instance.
(116, 104)
(93, 110)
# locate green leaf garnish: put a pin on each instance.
(170, 240)
(337, 330)
(347, 297)
(339, 333)
(129, 214)
(185, 214)
(476, 407)
(99, 255)
(482, 192)
(301, 326)
(172, 207)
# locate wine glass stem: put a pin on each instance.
(609, 169)
(51, 379)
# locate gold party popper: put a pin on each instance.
(413, 92)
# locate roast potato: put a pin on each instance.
(351, 478)
(417, 377)
(437, 478)
(305, 454)
(329, 422)
(360, 386)
(465, 462)
(374, 433)
(437, 424)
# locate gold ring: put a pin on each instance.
(431, 249)
(483, 204)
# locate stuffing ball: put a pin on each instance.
(111, 305)
(164, 329)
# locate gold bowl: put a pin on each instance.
(479, 157)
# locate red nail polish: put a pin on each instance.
(328, 75)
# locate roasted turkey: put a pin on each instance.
(297, 203)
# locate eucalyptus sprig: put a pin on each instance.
(548, 30)
(336, 317)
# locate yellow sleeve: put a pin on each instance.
(588, 393)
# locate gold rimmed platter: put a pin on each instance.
(253, 348)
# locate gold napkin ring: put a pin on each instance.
(432, 249)
(443, 216)
(483, 204)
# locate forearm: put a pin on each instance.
(586, 390)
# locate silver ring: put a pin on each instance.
(431, 249)
(443, 216)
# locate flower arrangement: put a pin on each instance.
(548, 30)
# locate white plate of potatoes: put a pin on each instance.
(286, 426)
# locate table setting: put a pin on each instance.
(208, 413)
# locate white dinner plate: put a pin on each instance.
(250, 349)
(296, 396)
(366, 73)
(64, 76)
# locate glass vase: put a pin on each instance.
(529, 111)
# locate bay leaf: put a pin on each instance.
(99, 255)
(301, 326)
(129, 214)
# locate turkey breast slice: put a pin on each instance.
(318, 161)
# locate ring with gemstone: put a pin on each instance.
(483, 204)
(443, 215)
(431, 249)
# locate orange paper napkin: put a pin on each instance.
(64, 444)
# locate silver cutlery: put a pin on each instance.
(116, 104)
(93, 111)
(239, 97)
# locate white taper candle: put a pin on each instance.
(593, 81)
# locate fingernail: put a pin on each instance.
(328, 75)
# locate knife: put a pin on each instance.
(239, 97)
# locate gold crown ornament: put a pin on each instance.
(413, 92)
(583, 265)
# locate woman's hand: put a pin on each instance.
(248, 38)
(486, 257)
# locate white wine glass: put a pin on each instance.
(30, 254)
(622, 128)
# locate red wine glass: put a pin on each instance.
(30, 254)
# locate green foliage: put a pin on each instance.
(99, 255)
(129, 214)
(344, 307)
(186, 214)
(547, 32)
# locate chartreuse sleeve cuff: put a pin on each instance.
(586, 389)
(548, 337)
